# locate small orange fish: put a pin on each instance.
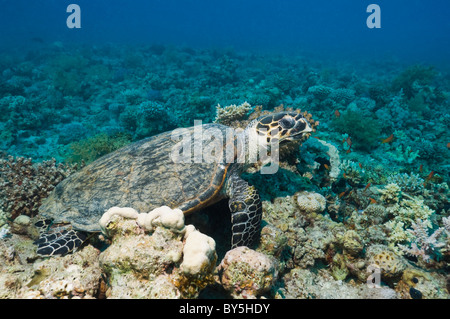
(348, 151)
(316, 137)
(367, 186)
(345, 176)
(326, 166)
(430, 176)
(337, 113)
(349, 141)
(341, 194)
(372, 201)
(421, 168)
(360, 165)
(388, 140)
(448, 145)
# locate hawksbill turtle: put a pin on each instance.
(144, 175)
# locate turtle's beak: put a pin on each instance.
(301, 127)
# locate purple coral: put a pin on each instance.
(424, 245)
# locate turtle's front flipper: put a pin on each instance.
(246, 212)
(60, 243)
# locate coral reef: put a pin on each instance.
(232, 113)
(155, 247)
(88, 150)
(23, 184)
(246, 273)
(310, 203)
(367, 195)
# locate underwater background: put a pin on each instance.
(369, 187)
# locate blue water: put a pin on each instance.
(409, 29)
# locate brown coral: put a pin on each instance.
(23, 184)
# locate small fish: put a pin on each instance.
(421, 168)
(316, 137)
(448, 145)
(349, 141)
(372, 201)
(367, 186)
(341, 194)
(345, 176)
(388, 140)
(337, 113)
(430, 176)
(326, 166)
(348, 151)
(360, 165)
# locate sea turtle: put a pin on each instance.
(149, 173)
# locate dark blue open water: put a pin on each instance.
(416, 29)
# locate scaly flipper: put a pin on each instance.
(246, 212)
(60, 243)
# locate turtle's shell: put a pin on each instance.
(141, 175)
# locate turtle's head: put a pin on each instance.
(282, 126)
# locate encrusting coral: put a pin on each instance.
(246, 273)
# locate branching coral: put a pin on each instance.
(23, 184)
(410, 183)
(231, 113)
(390, 193)
(424, 245)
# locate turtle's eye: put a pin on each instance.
(287, 122)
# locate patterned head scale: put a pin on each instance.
(283, 126)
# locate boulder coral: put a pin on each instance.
(246, 273)
(311, 203)
(156, 248)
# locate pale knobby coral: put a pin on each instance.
(146, 245)
(246, 273)
(311, 203)
(389, 263)
(390, 193)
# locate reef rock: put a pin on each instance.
(311, 203)
(75, 275)
(155, 255)
(246, 273)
